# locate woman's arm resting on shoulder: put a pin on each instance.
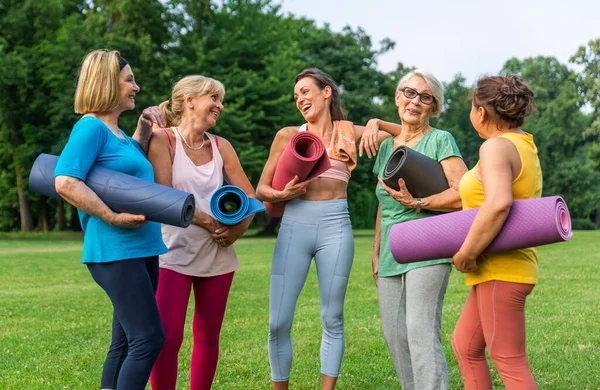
(143, 131)
(77, 193)
(497, 158)
(264, 191)
(373, 134)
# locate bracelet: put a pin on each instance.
(418, 208)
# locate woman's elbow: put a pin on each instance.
(259, 193)
(63, 185)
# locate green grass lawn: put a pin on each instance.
(55, 321)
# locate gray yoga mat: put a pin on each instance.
(423, 175)
(121, 192)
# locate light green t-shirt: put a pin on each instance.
(437, 144)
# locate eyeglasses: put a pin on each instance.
(425, 98)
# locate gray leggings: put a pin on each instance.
(411, 316)
(319, 229)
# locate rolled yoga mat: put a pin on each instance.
(531, 222)
(230, 205)
(306, 157)
(122, 193)
(423, 175)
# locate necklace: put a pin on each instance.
(188, 145)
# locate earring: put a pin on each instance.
(190, 107)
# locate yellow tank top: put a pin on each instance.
(519, 266)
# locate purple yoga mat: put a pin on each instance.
(531, 222)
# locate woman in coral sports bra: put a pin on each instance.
(315, 223)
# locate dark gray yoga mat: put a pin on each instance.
(423, 175)
(122, 193)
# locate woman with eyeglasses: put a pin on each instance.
(411, 296)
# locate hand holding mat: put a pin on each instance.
(230, 205)
(122, 193)
(531, 222)
(423, 175)
(306, 157)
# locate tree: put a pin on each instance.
(558, 127)
(589, 79)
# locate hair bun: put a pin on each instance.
(509, 96)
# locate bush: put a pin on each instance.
(583, 224)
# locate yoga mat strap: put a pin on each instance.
(122, 193)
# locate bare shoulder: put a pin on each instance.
(496, 145)
(160, 133)
(287, 132)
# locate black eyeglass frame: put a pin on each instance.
(420, 95)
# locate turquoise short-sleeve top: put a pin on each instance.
(92, 143)
(437, 144)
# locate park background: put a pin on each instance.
(256, 49)
(55, 321)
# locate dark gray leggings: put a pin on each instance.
(137, 333)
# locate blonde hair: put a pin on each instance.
(98, 82)
(189, 86)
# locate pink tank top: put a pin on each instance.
(339, 169)
(192, 251)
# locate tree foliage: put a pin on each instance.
(256, 51)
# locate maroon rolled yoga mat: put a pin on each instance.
(531, 222)
(306, 157)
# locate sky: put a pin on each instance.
(471, 37)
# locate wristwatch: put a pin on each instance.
(418, 208)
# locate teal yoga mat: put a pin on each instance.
(121, 192)
(230, 205)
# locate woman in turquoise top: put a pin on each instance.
(120, 250)
(411, 296)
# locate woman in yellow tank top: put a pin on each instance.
(508, 170)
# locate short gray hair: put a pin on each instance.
(437, 88)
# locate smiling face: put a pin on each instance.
(127, 89)
(311, 101)
(413, 111)
(207, 108)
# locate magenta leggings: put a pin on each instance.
(172, 296)
(494, 316)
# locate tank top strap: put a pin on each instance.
(304, 127)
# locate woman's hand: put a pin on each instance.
(375, 268)
(401, 196)
(369, 140)
(143, 131)
(126, 220)
(464, 263)
(149, 117)
(227, 235)
(293, 189)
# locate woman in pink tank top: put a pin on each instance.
(316, 223)
(185, 156)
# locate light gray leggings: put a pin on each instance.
(319, 229)
(410, 306)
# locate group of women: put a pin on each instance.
(148, 271)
